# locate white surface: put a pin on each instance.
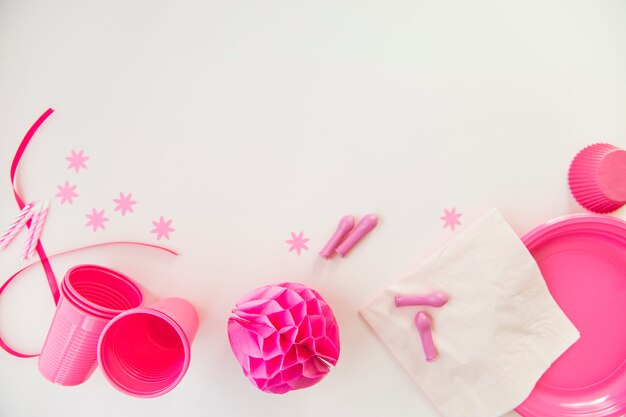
(500, 315)
(244, 121)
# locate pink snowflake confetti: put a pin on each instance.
(66, 192)
(162, 228)
(96, 219)
(77, 160)
(124, 203)
(451, 218)
(298, 242)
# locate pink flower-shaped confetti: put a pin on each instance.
(77, 160)
(96, 219)
(66, 192)
(124, 203)
(284, 336)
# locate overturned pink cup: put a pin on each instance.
(91, 296)
(597, 177)
(145, 352)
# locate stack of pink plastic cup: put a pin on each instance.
(90, 297)
(143, 351)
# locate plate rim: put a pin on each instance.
(530, 238)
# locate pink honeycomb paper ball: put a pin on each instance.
(285, 337)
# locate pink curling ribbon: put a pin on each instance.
(43, 258)
(52, 282)
(13, 352)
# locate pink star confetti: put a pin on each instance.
(77, 160)
(124, 203)
(298, 242)
(451, 218)
(66, 192)
(162, 228)
(96, 219)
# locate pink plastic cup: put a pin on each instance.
(145, 352)
(68, 298)
(77, 303)
(109, 294)
(69, 354)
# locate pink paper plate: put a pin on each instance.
(583, 260)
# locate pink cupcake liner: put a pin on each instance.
(597, 178)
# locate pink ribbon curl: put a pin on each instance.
(43, 258)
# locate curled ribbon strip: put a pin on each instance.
(12, 351)
(52, 282)
(43, 258)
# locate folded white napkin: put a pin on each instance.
(498, 333)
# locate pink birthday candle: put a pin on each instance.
(423, 323)
(36, 226)
(17, 225)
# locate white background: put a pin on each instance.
(244, 121)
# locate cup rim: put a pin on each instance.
(84, 309)
(91, 306)
(175, 325)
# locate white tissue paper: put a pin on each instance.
(498, 333)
